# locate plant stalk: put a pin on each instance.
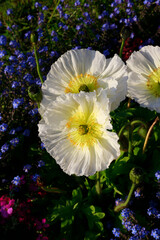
(37, 63)
(148, 133)
(124, 205)
(121, 48)
(98, 184)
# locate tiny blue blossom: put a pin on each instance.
(29, 17)
(42, 146)
(17, 102)
(15, 84)
(9, 11)
(26, 132)
(2, 53)
(13, 44)
(14, 142)
(116, 232)
(3, 40)
(3, 127)
(157, 175)
(12, 132)
(33, 111)
(5, 147)
(41, 163)
(45, 8)
(34, 177)
(37, 5)
(9, 70)
(27, 167)
(155, 233)
(16, 180)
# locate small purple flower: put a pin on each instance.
(155, 233)
(14, 142)
(33, 112)
(26, 133)
(12, 58)
(105, 27)
(17, 102)
(29, 17)
(28, 78)
(9, 11)
(41, 163)
(3, 40)
(116, 232)
(157, 175)
(45, 8)
(2, 53)
(16, 180)
(27, 35)
(27, 167)
(13, 44)
(37, 5)
(12, 132)
(126, 213)
(106, 52)
(42, 146)
(5, 148)
(15, 84)
(34, 177)
(9, 70)
(77, 3)
(3, 127)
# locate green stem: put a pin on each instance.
(130, 142)
(98, 184)
(134, 122)
(53, 12)
(122, 46)
(148, 133)
(125, 204)
(37, 63)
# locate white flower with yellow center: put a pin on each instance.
(88, 71)
(144, 77)
(76, 131)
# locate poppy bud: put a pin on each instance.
(136, 175)
(125, 32)
(35, 93)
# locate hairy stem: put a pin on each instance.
(98, 184)
(121, 48)
(148, 133)
(37, 63)
(125, 204)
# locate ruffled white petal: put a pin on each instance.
(141, 65)
(74, 159)
(114, 79)
(111, 75)
(141, 61)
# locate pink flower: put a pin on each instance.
(6, 205)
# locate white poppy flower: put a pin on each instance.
(85, 70)
(76, 131)
(144, 77)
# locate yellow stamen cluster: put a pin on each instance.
(82, 82)
(153, 82)
(83, 129)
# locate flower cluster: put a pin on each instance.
(6, 206)
(81, 89)
(131, 220)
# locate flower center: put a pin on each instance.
(83, 129)
(82, 82)
(84, 88)
(153, 82)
